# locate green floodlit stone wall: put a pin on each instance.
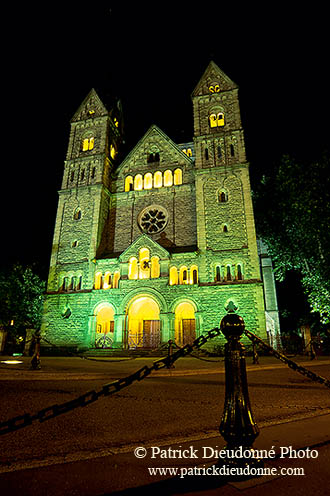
(209, 223)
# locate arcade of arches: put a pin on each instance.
(142, 327)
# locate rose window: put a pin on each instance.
(153, 219)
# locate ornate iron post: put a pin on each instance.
(237, 426)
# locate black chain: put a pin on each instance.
(52, 411)
(85, 399)
(293, 365)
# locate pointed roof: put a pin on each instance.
(144, 241)
(154, 133)
(213, 76)
(92, 106)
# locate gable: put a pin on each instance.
(144, 241)
(91, 107)
(154, 150)
(214, 80)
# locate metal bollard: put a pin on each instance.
(170, 353)
(35, 361)
(237, 426)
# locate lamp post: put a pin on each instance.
(237, 426)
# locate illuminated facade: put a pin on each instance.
(156, 246)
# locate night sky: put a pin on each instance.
(152, 60)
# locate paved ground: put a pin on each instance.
(91, 451)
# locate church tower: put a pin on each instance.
(226, 234)
(84, 196)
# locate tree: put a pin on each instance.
(21, 298)
(292, 209)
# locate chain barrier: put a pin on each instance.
(89, 397)
(53, 411)
(283, 358)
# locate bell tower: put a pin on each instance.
(225, 221)
(84, 197)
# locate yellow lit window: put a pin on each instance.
(98, 280)
(107, 280)
(168, 178)
(158, 179)
(214, 88)
(173, 276)
(147, 183)
(116, 278)
(138, 182)
(88, 144)
(155, 267)
(112, 151)
(177, 176)
(217, 120)
(129, 183)
(133, 268)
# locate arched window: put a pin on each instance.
(77, 214)
(138, 183)
(225, 228)
(173, 276)
(115, 281)
(217, 274)
(222, 196)
(187, 151)
(72, 283)
(213, 120)
(239, 272)
(155, 267)
(153, 157)
(107, 280)
(129, 183)
(217, 119)
(88, 144)
(79, 282)
(158, 179)
(144, 262)
(232, 150)
(183, 279)
(133, 272)
(194, 274)
(65, 284)
(168, 178)
(228, 273)
(147, 182)
(98, 280)
(177, 176)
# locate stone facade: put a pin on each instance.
(157, 245)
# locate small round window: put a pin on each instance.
(153, 219)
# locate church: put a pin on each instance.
(162, 243)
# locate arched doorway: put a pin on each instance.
(143, 323)
(185, 324)
(105, 323)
